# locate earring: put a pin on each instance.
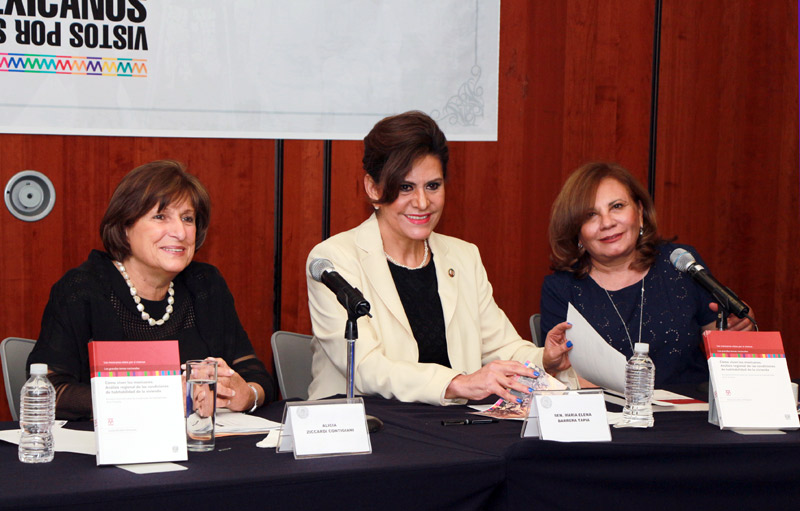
(641, 231)
(580, 246)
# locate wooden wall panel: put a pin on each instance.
(302, 227)
(727, 169)
(574, 86)
(350, 203)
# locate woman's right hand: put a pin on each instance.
(494, 378)
(556, 349)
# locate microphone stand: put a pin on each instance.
(354, 311)
(351, 335)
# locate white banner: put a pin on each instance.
(313, 69)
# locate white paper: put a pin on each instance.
(661, 401)
(613, 417)
(758, 431)
(667, 398)
(152, 468)
(591, 356)
(271, 440)
(239, 423)
(64, 440)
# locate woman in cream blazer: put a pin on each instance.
(405, 159)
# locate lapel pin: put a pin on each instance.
(451, 272)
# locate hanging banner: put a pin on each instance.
(312, 69)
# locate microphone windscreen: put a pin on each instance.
(681, 259)
(317, 267)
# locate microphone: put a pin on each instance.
(351, 298)
(685, 262)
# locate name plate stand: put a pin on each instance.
(567, 416)
(333, 427)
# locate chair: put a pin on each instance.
(292, 355)
(14, 353)
(536, 330)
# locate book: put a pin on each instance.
(137, 401)
(749, 386)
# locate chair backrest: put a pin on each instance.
(292, 355)
(536, 330)
(14, 353)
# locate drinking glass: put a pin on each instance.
(201, 404)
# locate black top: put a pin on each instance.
(675, 309)
(92, 302)
(419, 293)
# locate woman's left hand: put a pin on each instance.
(734, 322)
(556, 349)
(233, 392)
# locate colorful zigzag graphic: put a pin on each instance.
(59, 64)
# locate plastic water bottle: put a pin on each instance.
(37, 413)
(639, 380)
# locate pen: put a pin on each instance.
(468, 422)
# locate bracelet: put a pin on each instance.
(255, 395)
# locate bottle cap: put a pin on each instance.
(38, 368)
(641, 347)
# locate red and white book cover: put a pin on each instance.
(749, 384)
(137, 401)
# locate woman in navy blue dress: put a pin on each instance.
(613, 266)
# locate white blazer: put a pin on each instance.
(387, 355)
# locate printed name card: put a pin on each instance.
(568, 416)
(333, 427)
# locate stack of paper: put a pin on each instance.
(238, 423)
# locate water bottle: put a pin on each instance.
(37, 413)
(639, 380)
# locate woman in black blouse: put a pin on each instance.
(436, 335)
(146, 287)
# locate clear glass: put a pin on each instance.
(201, 404)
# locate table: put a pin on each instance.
(417, 463)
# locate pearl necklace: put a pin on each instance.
(641, 314)
(138, 300)
(424, 259)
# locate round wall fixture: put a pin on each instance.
(30, 196)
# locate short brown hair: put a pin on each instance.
(574, 203)
(161, 182)
(395, 144)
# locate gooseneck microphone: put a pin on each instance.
(353, 301)
(685, 262)
(351, 298)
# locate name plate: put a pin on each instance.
(333, 427)
(568, 416)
